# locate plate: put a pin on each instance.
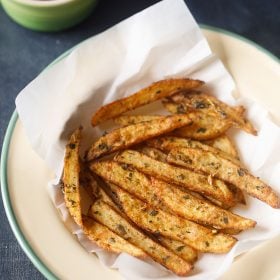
(36, 223)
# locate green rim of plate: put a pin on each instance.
(38, 263)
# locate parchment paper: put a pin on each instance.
(161, 41)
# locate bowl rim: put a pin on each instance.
(44, 3)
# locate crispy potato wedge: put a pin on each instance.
(108, 240)
(161, 194)
(107, 216)
(167, 143)
(134, 119)
(145, 96)
(156, 221)
(224, 144)
(71, 174)
(180, 176)
(123, 175)
(226, 170)
(184, 251)
(206, 125)
(124, 137)
(208, 102)
(198, 210)
(160, 156)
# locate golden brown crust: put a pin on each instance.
(157, 221)
(160, 194)
(206, 125)
(124, 137)
(144, 96)
(226, 170)
(108, 240)
(107, 216)
(178, 176)
(208, 103)
(71, 174)
(167, 143)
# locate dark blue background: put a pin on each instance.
(24, 54)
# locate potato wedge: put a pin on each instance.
(160, 156)
(180, 176)
(160, 194)
(108, 240)
(145, 96)
(198, 210)
(156, 221)
(207, 125)
(124, 137)
(226, 170)
(167, 143)
(71, 174)
(107, 216)
(125, 176)
(224, 144)
(208, 102)
(184, 251)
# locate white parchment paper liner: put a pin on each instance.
(160, 42)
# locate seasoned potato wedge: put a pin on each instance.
(160, 222)
(208, 103)
(206, 125)
(237, 193)
(186, 252)
(180, 176)
(123, 175)
(145, 96)
(124, 137)
(224, 144)
(71, 174)
(107, 216)
(108, 240)
(167, 143)
(226, 170)
(198, 210)
(161, 194)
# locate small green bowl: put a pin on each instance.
(48, 15)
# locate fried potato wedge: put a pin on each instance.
(206, 125)
(145, 96)
(156, 221)
(237, 193)
(71, 174)
(124, 137)
(134, 119)
(167, 143)
(224, 144)
(198, 210)
(180, 176)
(130, 179)
(107, 216)
(108, 240)
(208, 102)
(161, 194)
(184, 251)
(226, 170)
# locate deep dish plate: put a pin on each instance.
(35, 222)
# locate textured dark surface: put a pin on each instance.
(24, 53)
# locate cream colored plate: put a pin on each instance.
(55, 251)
